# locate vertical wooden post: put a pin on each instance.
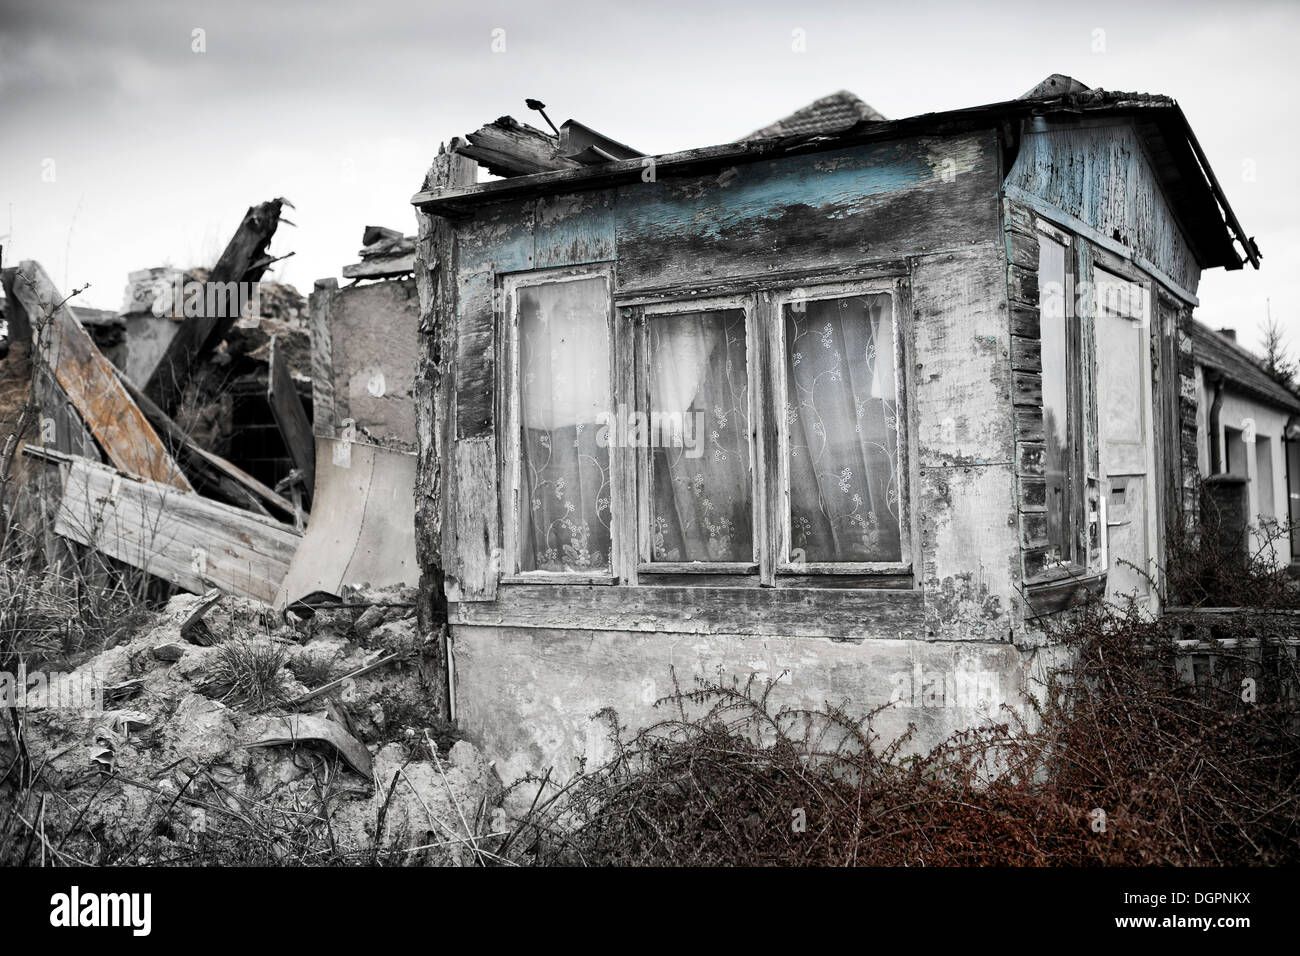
(435, 277)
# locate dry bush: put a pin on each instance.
(1201, 570)
(1130, 763)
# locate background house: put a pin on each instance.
(1247, 425)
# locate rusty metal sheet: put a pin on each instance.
(362, 524)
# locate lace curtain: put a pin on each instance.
(702, 505)
(841, 418)
(564, 389)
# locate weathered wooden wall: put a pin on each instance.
(1096, 173)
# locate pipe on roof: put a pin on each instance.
(1212, 426)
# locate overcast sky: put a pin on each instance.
(155, 150)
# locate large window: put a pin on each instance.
(841, 430)
(757, 438)
(563, 474)
(701, 477)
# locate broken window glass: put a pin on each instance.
(699, 435)
(564, 396)
(841, 421)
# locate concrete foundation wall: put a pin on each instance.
(528, 696)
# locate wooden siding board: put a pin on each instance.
(475, 355)
(890, 199)
(181, 537)
(1101, 175)
(839, 614)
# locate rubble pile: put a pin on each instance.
(177, 764)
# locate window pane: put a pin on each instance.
(564, 394)
(1056, 416)
(702, 504)
(841, 420)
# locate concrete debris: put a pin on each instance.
(398, 781)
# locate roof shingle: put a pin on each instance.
(831, 113)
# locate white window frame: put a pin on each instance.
(644, 456)
(511, 458)
(894, 288)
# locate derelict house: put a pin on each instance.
(851, 408)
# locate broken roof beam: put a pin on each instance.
(511, 148)
(290, 416)
(191, 541)
(244, 260)
(215, 476)
(89, 380)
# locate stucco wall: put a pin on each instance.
(1269, 424)
(529, 696)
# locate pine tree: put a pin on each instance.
(1279, 364)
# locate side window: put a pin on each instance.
(1059, 464)
(841, 431)
(562, 472)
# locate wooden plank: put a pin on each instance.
(322, 359)
(1025, 320)
(475, 356)
(508, 147)
(1033, 530)
(436, 264)
(244, 260)
(886, 200)
(91, 383)
(1026, 353)
(290, 416)
(181, 537)
(381, 267)
(1023, 285)
(835, 613)
(472, 550)
(1029, 423)
(1027, 388)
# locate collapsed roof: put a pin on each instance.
(535, 165)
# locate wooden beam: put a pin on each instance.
(381, 267)
(244, 260)
(291, 417)
(191, 541)
(90, 382)
(511, 148)
(215, 475)
(435, 278)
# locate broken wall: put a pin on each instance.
(364, 351)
